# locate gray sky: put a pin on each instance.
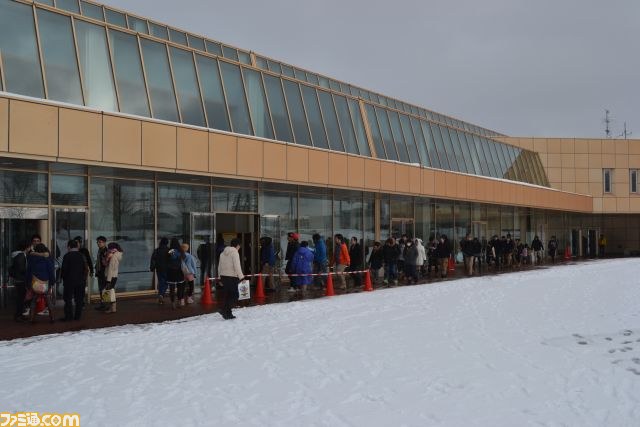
(524, 68)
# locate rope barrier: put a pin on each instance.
(298, 275)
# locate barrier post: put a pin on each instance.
(330, 291)
(452, 265)
(567, 253)
(206, 292)
(259, 288)
(368, 287)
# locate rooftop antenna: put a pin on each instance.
(625, 132)
(607, 122)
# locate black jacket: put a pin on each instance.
(411, 254)
(466, 246)
(18, 269)
(159, 260)
(443, 250)
(376, 259)
(87, 258)
(102, 254)
(536, 245)
(390, 254)
(355, 254)
(74, 269)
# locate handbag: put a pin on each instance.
(109, 295)
(39, 286)
(244, 290)
(188, 275)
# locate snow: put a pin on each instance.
(550, 347)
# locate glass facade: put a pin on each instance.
(186, 85)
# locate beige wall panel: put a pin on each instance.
(372, 174)
(634, 204)
(159, 145)
(461, 187)
(275, 161)
(440, 183)
(223, 153)
(582, 175)
(634, 146)
(387, 176)
(556, 184)
(4, 124)
(582, 146)
(621, 176)
(634, 161)
(568, 175)
(428, 181)
(568, 160)
(526, 143)
(621, 146)
(415, 180)
(608, 160)
(298, 164)
(540, 145)
(193, 150)
(567, 145)
(554, 145)
(472, 188)
(520, 195)
(544, 159)
(402, 178)
(595, 160)
(622, 161)
(338, 169)
(595, 146)
(595, 175)
(582, 160)
(609, 204)
(622, 204)
(489, 190)
(319, 171)
(33, 128)
(595, 189)
(250, 153)
(355, 171)
(122, 140)
(554, 160)
(621, 189)
(451, 185)
(80, 135)
(582, 187)
(554, 174)
(569, 186)
(597, 204)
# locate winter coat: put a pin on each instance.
(292, 248)
(159, 260)
(341, 255)
(174, 266)
(553, 246)
(18, 269)
(411, 255)
(376, 259)
(41, 267)
(390, 254)
(476, 248)
(74, 269)
(443, 249)
(114, 265)
(466, 247)
(229, 264)
(355, 256)
(267, 254)
(422, 254)
(509, 246)
(320, 253)
(301, 264)
(101, 261)
(190, 262)
(536, 245)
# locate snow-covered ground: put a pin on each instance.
(553, 347)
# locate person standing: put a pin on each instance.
(422, 257)
(267, 261)
(468, 254)
(602, 245)
(552, 247)
(432, 258)
(40, 270)
(292, 247)
(87, 257)
(100, 270)
(18, 272)
(538, 250)
(114, 257)
(301, 266)
(476, 250)
(376, 261)
(356, 262)
(175, 275)
(230, 272)
(320, 260)
(390, 254)
(158, 264)
(411, 256)
(189, 270)
(443, 252)
(74, 272)
(204, 255)
(341, 260)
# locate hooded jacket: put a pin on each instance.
(41, 266)
(229, 264)
(422, 254)
(301, 264)
(114, 265)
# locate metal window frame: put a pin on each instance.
(316, 98)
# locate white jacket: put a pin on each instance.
(113, 266)
(229, 264)
(422, 255)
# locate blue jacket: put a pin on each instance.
(190, 261)
(41, 267)
(267, 255)
(301, 264)
(320, 253)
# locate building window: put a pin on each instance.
(633, 180)
(607, 173)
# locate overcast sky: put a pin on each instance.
(520, 67)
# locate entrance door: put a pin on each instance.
(401, 226)
(17, 225)
(270, 226)
(201, 238)
(479, 230)
(229, 226)
(67, 224)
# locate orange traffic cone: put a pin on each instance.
(567, 253)
(330, 292)
(206, 292)
(40, 303)
(259, 288)
(367, 282)
(452, 265)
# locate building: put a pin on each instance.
(115, 125)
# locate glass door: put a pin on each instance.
(68, 223)
(402, 226)
(270, 226)
(201, 233)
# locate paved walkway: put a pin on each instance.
(137, 310)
